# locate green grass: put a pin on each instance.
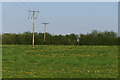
(59, 61)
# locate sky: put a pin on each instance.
(64, 17)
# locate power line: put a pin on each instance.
(20, 6)
(30, 4)
(23, 3)
(25, 6)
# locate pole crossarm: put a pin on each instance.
(45, 23)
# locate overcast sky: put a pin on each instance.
(64, 17)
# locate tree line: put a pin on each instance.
(93, 38)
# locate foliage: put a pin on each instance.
(93, 38)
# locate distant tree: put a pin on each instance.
(25, 38)
(93, 38)
(98, 38)
(7, 38)
(48, 39)
(72, 39)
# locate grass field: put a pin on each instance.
(59, 61)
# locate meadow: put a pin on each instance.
(59, 61)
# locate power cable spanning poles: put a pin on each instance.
(45, 29)
(33, 17)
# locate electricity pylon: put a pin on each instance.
(33, 17)
(45, 29)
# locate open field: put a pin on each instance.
(59, 61)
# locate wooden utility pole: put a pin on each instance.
(33, 17)
(45, 30)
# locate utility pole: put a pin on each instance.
(45, 29)
(33, 17)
